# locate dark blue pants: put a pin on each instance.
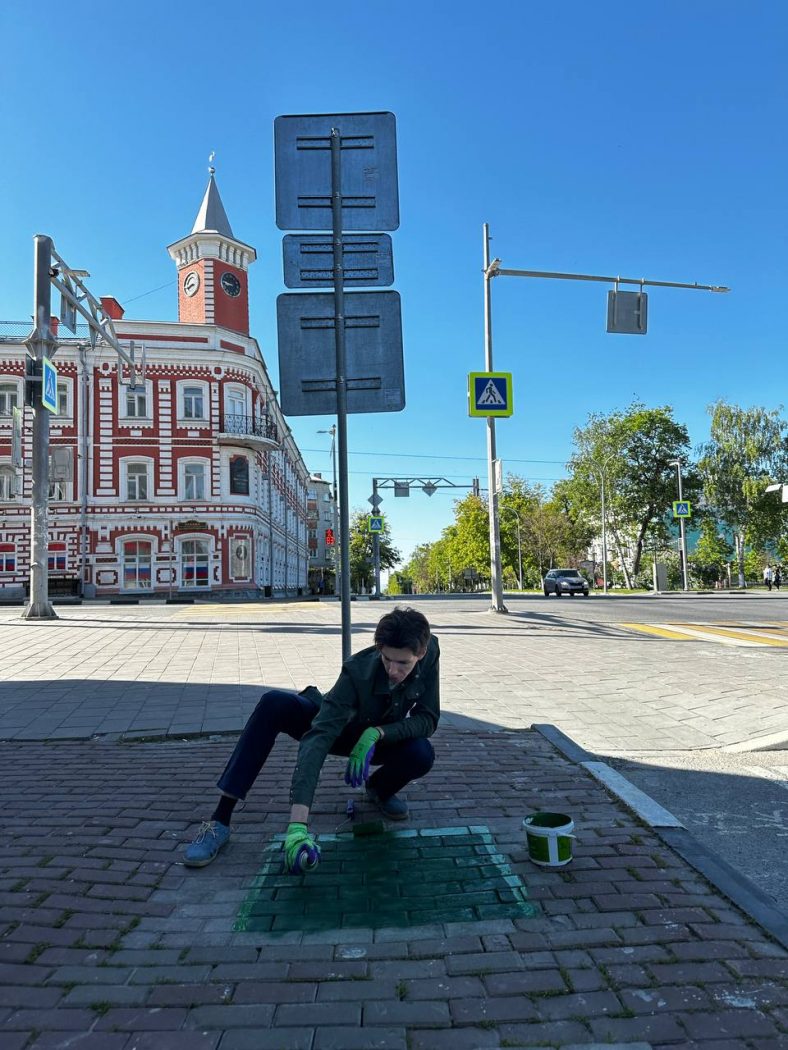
(283, 711)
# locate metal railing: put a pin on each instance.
(250, 426)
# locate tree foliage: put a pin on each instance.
(362, 565)
(746, 451)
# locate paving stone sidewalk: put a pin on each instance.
(108, 943)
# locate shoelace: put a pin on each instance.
(205, 827)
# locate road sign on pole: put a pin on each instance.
(682, 508)
(490, 394)
(49, 385)
(373, 353)
(375, 523)
(366, 260)
(368, 186)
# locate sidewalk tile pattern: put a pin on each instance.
(397, 878)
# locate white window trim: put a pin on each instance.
(16, 382)
(206, 401)
(133, 537)
(7, 470)
(238, 388)
(205, 463)
(68, 383)
(203, 538)
(136, 421)
(127, 461)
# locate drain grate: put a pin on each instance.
(399, 878)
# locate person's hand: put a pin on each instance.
(302, 853)
(357, 770)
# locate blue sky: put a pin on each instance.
(643, 141)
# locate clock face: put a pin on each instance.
(191, 282)
(231, 284)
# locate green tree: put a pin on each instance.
(712, 553)
(633, 452)
(746, 451)
(362, 567)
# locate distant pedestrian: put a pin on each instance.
(768, 577)
(778, 576)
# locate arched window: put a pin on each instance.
(136, 559)
(239, 476)
(195, 560)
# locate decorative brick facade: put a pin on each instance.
(192, 482)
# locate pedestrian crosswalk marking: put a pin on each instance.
(748, 635)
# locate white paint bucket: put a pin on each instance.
(549, 837)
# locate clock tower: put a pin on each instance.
(213, 278)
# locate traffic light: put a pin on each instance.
(329, 537)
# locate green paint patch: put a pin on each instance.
(399, 878)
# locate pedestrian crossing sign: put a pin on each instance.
(490, 394)
(375, 523)
(682, 508)
(49, 386)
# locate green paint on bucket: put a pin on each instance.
(549, 837)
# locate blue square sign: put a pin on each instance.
(49, 386)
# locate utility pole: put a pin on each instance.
(684, 566)
(496, 584)
(376, 542)
(41, 344)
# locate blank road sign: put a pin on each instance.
(307, 353)
(302, 161)
(366, 260)
(627, 313)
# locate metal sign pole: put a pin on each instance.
(492, 495)
(39, 607)
(376, 541)
(341, 384)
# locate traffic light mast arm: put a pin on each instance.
(76, 294)
(499, 271)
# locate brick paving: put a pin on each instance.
(108, 943)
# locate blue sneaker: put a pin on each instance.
(211, 837)
(394, 808)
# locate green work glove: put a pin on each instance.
(302, 853)
(357, 770)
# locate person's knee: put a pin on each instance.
(421, 755)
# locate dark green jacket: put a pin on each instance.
(362, 697)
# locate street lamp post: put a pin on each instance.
(332, 430)
(496, 586)
(602, 475)
(519, 545)
(684, 566)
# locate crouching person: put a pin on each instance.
(380, 712)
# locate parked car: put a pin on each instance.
(565, 581)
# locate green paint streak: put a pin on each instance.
(400, 878)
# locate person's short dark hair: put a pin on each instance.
(403, 628)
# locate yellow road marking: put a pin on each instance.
(662, 632)
(750, 635)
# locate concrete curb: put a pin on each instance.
(731, 883)
(770, 742)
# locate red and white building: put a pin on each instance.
(191, 482)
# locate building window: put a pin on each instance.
(137, 404)
(240, 558)
(62, 398)
(9, 395)
(239, 476)
(193, 402)
(136, 565)
(56, 560)
(136, 481)
(7, 484)
(7, 557)
(194, 563)
(57, 491)
(194, 481)
(328, 515)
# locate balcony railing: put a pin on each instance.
(249, 426)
